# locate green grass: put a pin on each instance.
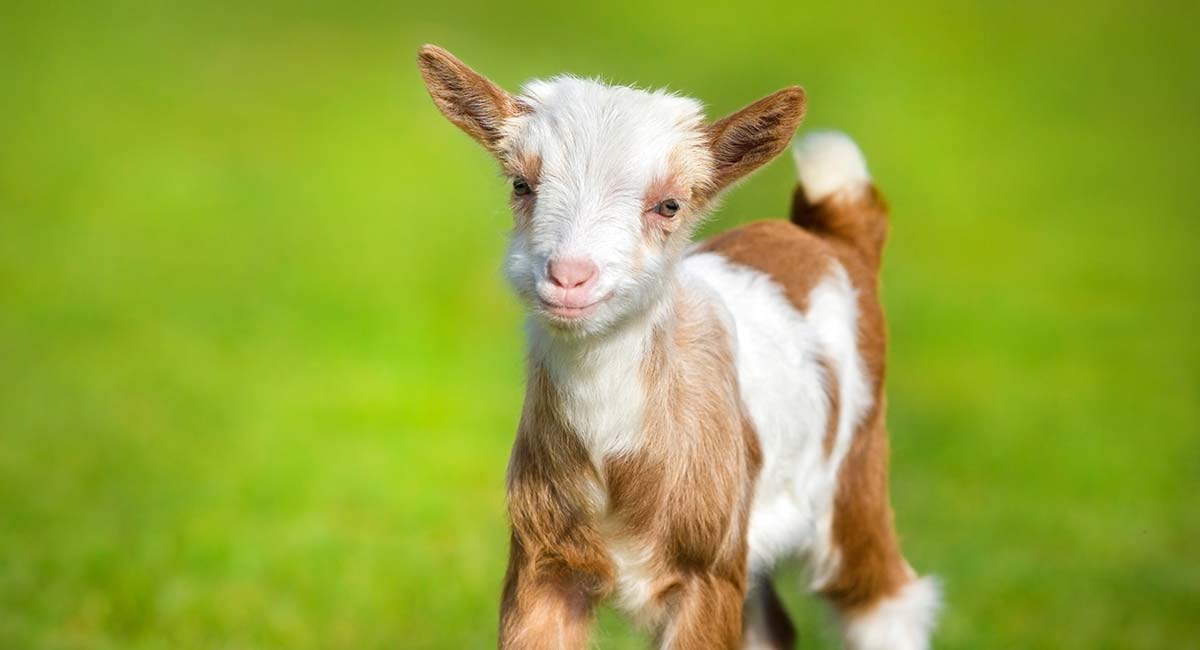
(259, 372)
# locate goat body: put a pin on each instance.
(694, 413)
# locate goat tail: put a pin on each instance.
(835, 197)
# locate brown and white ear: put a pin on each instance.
(748, 139)
(468, 99)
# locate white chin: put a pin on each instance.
(586, 321)
(569, 323)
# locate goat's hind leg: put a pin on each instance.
(766, 625)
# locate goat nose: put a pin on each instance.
(572, 273)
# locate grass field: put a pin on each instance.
(260, 372)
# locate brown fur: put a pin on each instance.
(528, 166)
(871, 565)
(751, 137)
(694, 423)
(833, 395)
(795, 258)
(468, 99)
(525, 165)
(687, 493)
(558, 567)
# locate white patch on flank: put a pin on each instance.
(778, 352)
(829, 162)
(902, 622)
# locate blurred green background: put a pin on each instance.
(260, 372)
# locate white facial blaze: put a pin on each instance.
(602, 148)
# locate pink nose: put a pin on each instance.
(572, 273)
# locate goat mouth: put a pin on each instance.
(568, 313)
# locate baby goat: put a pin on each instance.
(694, 414)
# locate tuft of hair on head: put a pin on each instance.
(828, 162)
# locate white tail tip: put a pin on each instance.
(828, 162)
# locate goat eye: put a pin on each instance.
(667, 208)
(521, 187)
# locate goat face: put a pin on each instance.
(605, 184)
(608, 182)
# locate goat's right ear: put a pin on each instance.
(468, 99)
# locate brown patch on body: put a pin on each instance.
(850, 229)
(872, 567)
(796, 259)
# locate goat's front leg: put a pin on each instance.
(549, 601)
(704, 612)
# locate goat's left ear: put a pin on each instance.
(748, 139)
(468, 99)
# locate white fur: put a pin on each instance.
(599, 381)
(601, 148)
(902, 622)
(829, 162)
(778, 352)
